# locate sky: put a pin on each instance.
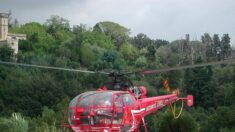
(158, 19)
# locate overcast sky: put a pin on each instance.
(161, 19)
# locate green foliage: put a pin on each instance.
(111, 28)
(129, 52)
(118, 33)
(48, 115)
(222, 120)
(46, 128)
(6, 53)
(151, 53)
(16, 123)
(225, 44)
(37, 37)
(42, 95)
(164, 122)
(141, 40)
(90, 53)
(109, 56)
(97, 38)
(141, 62)
(79, 29)
(58, 27)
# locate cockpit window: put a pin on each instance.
(101, 109)
(81, 100)
(128, 99)
(74, 101)
(118, 100)
(98, 108)
(85, 100)
(71, 113)
(103, 100)
(118, 109)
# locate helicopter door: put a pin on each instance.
(118, 109)
(101, 111)
(128, 118)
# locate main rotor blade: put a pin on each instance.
(186, 67)
(50, 67)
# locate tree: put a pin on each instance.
(14, 123)
(97, 39)
(38, 40)
(58, 27)
(48, 116)
(197, 82)
(165, 122)
(159, 42)
(141, 40)
(89, 53)
(109, 56)
(56, 22)
(118, 33)
(222, 119)
(129, 52)
(217, 46)
(6, 53)
(207, 40)
(226, 48)
(79, 29)
(224, 95)
(151, 53)
(141, 62)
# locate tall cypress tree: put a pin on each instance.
(226, 48)
(197, 83)
(216, 46)
(207, 40)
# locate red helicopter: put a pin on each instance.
(108, 110)
(123, 107)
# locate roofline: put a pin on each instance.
(4, 15)
(16, 34)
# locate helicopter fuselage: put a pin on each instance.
(106, 110)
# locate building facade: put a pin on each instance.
(10, 39)
(3, 26)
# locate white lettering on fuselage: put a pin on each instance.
(160, 104)
(151, 107)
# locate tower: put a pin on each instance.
(9, 39)
(3, 26)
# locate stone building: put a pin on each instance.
(10, 39)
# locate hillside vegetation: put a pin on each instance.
(34, 99)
